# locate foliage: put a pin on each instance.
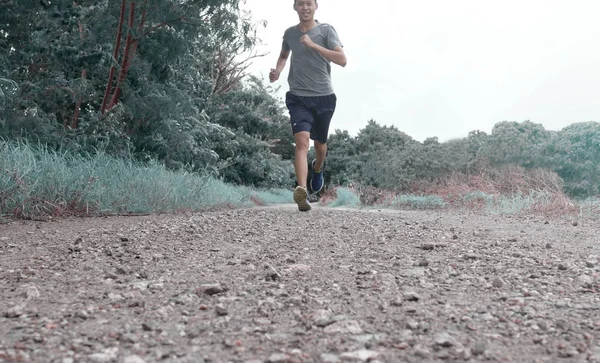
(140, 79)
(384, 157)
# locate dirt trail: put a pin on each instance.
(276, 285)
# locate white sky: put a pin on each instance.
(443, 68)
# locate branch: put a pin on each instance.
(164, 23)
(116, 51)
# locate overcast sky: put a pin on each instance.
(443, 68)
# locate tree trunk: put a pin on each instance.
(75, 121)
(129, 53)
(116, 51)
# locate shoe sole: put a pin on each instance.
(300, 196)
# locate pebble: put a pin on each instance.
(329, 358)
(411, 296)
(344, 327)
(279, 358)
(363, 355)
(498, 282)
(444, 340)
(422, 352)
(221, 310)
(479, 348)
(133, 359)
(14, 312)
(210, 289)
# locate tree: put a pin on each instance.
(575, 155)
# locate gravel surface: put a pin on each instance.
(276, 285)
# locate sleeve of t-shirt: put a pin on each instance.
(284, 44)
(333, 40)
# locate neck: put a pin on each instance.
(307, 25)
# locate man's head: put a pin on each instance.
(306, 9)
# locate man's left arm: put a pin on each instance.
(336, 55)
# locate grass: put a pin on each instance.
(511, 190)
(344, 197)
(35, 181)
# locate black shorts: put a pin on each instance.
(312, 114)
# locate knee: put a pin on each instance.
(302, 143)
(321, 147)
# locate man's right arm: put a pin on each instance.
(283, 57)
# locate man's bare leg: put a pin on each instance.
(300, 162)
(321, 151)
(301, 166)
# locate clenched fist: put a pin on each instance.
(305, 39)
(274, 75)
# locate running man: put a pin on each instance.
(310, 100)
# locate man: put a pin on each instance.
(311, 100)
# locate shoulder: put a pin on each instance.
(291, 30)
(326, 26)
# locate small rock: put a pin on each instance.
(114, 297)
(322, 318)
(412, 325)
(298, 268)
(210, 289)
(585, 280)
(133, 359)
(221, 310)
(422, 352)
(329, 358)
(427, 246)
(279, 358)
(105, 357)
(82, 314)
(272, 274)
(479, 348)
(487, 317)
(423, 263)
(515, 301)
(462, 353)
(148, 326)
(562, 267)
(444, 340)
(344, 327)
(32, 292)
(363, 355)
(14, 312)
(397, 301)
(595, 354)
(498, 282)
(411, 296)
(548, 245)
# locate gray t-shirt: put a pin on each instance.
(310, 72)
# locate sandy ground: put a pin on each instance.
(276, 285)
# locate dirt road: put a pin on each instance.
(275, 285)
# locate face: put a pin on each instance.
(306, 9)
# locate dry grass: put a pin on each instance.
(508, 190)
